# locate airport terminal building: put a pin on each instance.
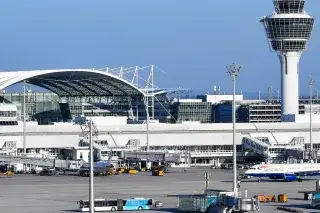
(117, 107)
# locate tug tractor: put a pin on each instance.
(4, 170)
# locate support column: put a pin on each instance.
(137, 110)
(152, 87)
(289, 85)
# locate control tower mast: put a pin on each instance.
(288, 30)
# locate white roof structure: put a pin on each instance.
(73, 82)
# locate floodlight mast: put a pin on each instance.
(234, 71)
(311, 83)
(24, 119)
(91, 193)
(288, 31)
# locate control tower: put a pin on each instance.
(288, 30)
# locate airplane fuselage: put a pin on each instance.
(288, 172)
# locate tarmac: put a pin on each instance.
(53, 194)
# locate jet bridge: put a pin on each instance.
(152, 156)
(46, 162)
(42, 162)
(255, 145)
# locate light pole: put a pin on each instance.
(311, 83)
(24, 119)
(91, 196)
(234, 71)
(148, 118)
(270, 93)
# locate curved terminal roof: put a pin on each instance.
(73, 82)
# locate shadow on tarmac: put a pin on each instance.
(171, 210)
(299, 206)
(265, 180)
(295, 198)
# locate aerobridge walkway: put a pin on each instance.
(95, 145)
(42, 162)
(255, 145)
(293, 149)
(153, 156)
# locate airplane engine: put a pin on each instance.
(290, 178)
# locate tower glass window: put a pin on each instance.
(280, 28)
(289, 6)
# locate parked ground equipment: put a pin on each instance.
(5, 170)
(157, 171)
(47, 172)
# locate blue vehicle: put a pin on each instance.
(132, 204)
(315, 203)
(137, 204)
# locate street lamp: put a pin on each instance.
(24, 118)
(234, 71)
(311, 83)
(91, 195)
(88, 125)
(270, 93)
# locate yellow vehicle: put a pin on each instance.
(132, 171)
(157, 171)
(282, 198)
(121, 170)
(4, 170)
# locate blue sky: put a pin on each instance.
(192, 41)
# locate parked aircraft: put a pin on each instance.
(287, 172)
(98, 167)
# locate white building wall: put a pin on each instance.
(306, 118)
(214, 99)
(315, 108)
(68, 135)
(84, 153)
(110, 120)
(43, 141)
(190, 100)
(179, 139)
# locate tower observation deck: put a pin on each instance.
(288, 31)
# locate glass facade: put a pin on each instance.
(48, 107)
(280, 28)
(192, 111)
(39, 106)
(223, 113)
(289, 45)
(200, 148)
(289, 6)
(292, 32)
(255, 112)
